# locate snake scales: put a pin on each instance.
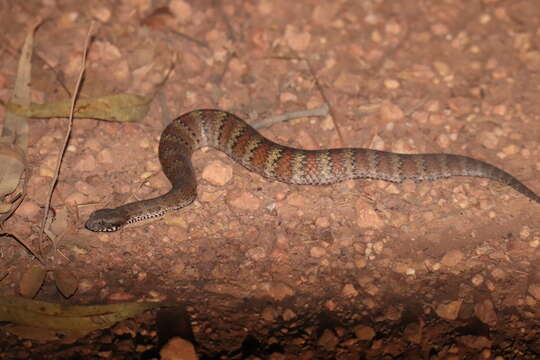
(232, 135)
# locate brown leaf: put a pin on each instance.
(66, 282)
(31, 281)
(118, 107)
(64, 317)
(12, 179)
(15, 129)
(14, 138)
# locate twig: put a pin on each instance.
(18, 239)
(16, 53)
(201, 43)
(321, 111)
(68, 134)
(221, 76)
(230, 30)
(325, 98)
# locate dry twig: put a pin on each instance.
(68, 134)
(321, 111)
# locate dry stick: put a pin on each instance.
(68, 134)
(16, 54)
(225, 68)
(230, 30)
(201, 43)
(325, 98)
(321, 111)
(24, 245)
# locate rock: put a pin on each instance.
(485, 311)
(443, 140)
(452, 258)
(296, 199)
(391, 84)
(442, 68)
(288, 315)
(217, 173)
(120, 296)
(105, 157)
(477, 280)
(510, 149)
(178, 349)
(499, 274)
(325, 12)
(449, 311)
(181, 9)
(178, 268)
(256, 253)
(489, 139)
(349, 291)
(28, 209)
(328, 340)
(393, 313)
(475, 342)
(101, 13)
(245, 201)
(364, 333)
(85, 163)
(534, 290)
(276, 290)
(360, 263)
(367, 217)
(413, 333)
(391, 112)
(322, 222)
(297, 40)
(269, 314)
(317, 252)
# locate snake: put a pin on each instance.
(230, 134)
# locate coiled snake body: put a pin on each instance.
(232, 135)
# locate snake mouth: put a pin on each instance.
(101, 227)
(105, 220)
(94, 228)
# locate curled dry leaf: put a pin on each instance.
(119, 107)
(31, 281)
(14, 138)
(66, 282)
(12, 179)
(34, 333)
(48, 315)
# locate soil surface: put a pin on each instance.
(357, 270)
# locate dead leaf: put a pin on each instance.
(13, 166)
(118, 107)
(34, 333)
(12, 182)
(42, 334)
(14, 138)
(66, 282)
(15, 129)
(31, 281)
(63, 317)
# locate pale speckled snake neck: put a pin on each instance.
(232, 135)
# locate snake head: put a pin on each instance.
(106, 220)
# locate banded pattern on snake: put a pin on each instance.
(232, 135)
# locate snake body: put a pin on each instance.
(232, 135)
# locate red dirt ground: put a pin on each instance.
(358, 270)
